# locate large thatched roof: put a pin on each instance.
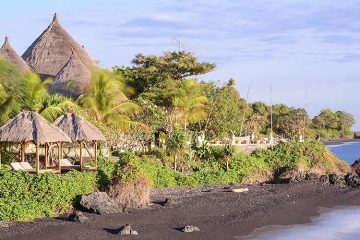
(74, 70)
(78, 128)
(8, 53)
(52, 50)
(29, 126)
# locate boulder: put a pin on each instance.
(352, 180)
(127, 230)
(356, 166)
(100, 203)
(324, 179)
(78, 216)
(190, 228)
(130, 194)
(312, 177)
(337, 180)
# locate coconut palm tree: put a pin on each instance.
(190, 103)
(106, 100)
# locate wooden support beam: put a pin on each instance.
(37, 159)
(81, 157)
(46, 155)
(95, 153)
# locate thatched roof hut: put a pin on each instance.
(76, 71)
(80, 130)
(53, 49)
(29, 126)
(8, 53)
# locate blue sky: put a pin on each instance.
(298, 46)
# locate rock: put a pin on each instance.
(312, 177)
(100, 203)
(127, 230)
(324, 179)
(168, 202)
(356, 166)
(78, 216)
(337, 180)
(240, 190)
(333, 178)
(352, 180)
(4, 224)
(188, 229)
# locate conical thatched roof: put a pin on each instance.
(78, 128)
(74, 70)
(52, 50)
(29, 126)
(8, 53)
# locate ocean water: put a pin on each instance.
(342, 223)
(348, 152)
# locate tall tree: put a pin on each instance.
(153, 71)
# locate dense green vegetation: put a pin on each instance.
(158, 99)
(24, 196)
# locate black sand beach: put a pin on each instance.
(219, 213)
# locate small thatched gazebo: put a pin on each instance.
(80, 131)
(30, 127)
(8, 53)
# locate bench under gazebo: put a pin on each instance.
(80, 131)
(29, 127)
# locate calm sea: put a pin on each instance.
(348, 152)
(334, 224)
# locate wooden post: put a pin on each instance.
(81, 158)
(37, 158)
(23, 152)
(58, 156)
(46, 155)
(95, 153)
(61, 150)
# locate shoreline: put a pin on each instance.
(219, 213)
(340, 141)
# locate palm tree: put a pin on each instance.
(190, 103)
(36, 90)
(107, 102)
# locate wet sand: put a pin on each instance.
(218, 213)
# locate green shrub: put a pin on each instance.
(8, 157)
(25, 197)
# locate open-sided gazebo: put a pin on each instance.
(80, 131)
(29, 127)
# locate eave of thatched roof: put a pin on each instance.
(9, 54)
(52, 50)
(29, 126)
(78, 128)
(75, 71)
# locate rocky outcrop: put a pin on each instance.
(352, 180)
(78, 216)
(100, 203)
(356, 167)
(130, 194)
(190, 228)
(127, 230)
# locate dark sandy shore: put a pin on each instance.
(219, 214)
